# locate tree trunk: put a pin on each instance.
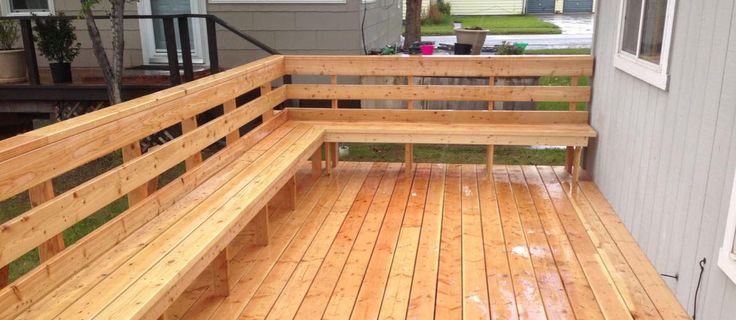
(118, 46)
(111, 73)
(413, 22)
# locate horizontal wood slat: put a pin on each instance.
(35, 165)
(438, 92)
(439, 116)
(456, 66)
(271, 66)
(30, 229)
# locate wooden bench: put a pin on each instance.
(137, 264)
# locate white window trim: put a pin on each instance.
(200, 55)
(726, 259)
(281, 1)
(5, 10)
(656, 75)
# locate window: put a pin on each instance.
(727, 254)
(26, 7)
(645, 29)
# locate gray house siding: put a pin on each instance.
(288, 28)
(666, 159)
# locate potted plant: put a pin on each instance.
(12, 61)
(57, 42)
(474, 36)
(509, 49)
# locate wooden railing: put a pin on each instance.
(30, 161)
(413, 67)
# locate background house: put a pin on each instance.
(514, 7)
(289, 26)
(664, 107)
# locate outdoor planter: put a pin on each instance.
(472, 36)
(12, 66)
(61, 72)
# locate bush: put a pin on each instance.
(508, 49)
(56, 40)
(8, 34)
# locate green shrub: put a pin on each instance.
(8, 34)
(56, 39)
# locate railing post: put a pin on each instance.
(570, 151)
(171, 54)
(31, 64)
(186, 49)
(212, 46)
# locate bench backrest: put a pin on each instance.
(491, 68)
(30, 161)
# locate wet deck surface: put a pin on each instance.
(374, 240)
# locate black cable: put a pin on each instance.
(362, 28)
(697, 288)
(676, 277)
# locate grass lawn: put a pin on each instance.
(495, 25)
(560, 81)
(454, 154)
(559, 51)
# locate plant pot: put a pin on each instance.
(61, 72)
(12, 66)
(463, 49)
(475, 38)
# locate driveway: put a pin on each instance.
(577, 32)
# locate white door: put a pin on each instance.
(153, 42)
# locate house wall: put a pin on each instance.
(288, 28)
(478, 7)
(666, 159)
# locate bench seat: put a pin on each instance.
(145, 272)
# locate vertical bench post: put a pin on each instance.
(189, 125)
(220, 268)
(576, 168)
(266, 88)
(409, 148)
(334, 152)
(490, 150)
(38, 195)
(263, 231)
(131, 152)
(231, 137)
(317, 162)
(569, 152)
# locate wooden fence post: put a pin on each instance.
(569, 152)
(490, 150)
(38, 195)
(409, 148)
(334, 152)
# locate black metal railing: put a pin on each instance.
(172, 52)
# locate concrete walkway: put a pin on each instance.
(577, 32)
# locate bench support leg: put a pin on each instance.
(409, 155)
(221, 274)
(334, 154)
(263, 231)
(576, 162)
(317, 162)
(328, 158)
(490, 150)
(289, 192)
(569, 155)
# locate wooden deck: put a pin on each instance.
(439, 241)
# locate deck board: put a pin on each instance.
(378, 240)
